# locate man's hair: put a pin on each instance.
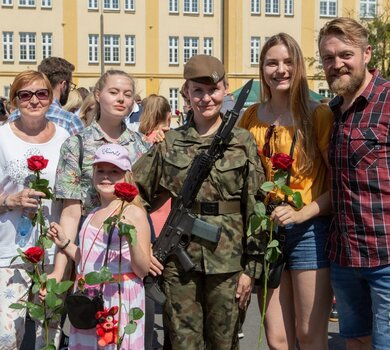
(347, 29)
(56, 69)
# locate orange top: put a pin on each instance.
(312, 185)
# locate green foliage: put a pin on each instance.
(97, 277)
(129, 232)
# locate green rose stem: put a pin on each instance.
(119, 343)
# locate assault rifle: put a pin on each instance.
(181, 224)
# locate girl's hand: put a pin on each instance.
(286, 215)
(155, 268)
(57, 235)
(26, 198)
(42, 290)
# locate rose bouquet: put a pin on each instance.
(277, 193)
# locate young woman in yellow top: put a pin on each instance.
(298, 310)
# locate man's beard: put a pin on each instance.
(64, 96)
(343, 88)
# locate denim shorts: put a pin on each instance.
(305, 244)
(363, 302)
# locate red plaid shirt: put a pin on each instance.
(359, 156)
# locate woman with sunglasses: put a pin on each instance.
(298, 310)
(31, 134)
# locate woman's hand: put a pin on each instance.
(42, 291)
(155, 268)
(26, 198)
(57, 235)
(244, 289)
(286, 215)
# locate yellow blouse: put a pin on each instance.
(312, 185)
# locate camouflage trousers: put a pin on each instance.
(201, 310)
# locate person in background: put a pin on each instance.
(59, 72)
(111, 166)
(30, 134)
(84, 92)
(203, 306)
(86, 112)
(359, 157)
(298, 310)
(74, 102)
(3, 111)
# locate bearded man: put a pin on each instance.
(359, 157)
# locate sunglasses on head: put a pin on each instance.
(266, 147)
(26, 95)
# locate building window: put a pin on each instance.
(271, 7)
(255, 7)
(328, 8)
(208, 7)
(130, 49)
(93, 48)
(173, 48)
(255, 49)
(6, 90)
(173, 6)
(8, 46)
(111, 4)
(92, 4)
(367, 8)
(191, 6)
(46, 4)
(6, 2)
(27, 47)
(47, 44)
(288, 7)
(27, 3)
(208, 46)
(129, 5)
(326, 93)
(190, 48)
(111, 49)
(174, 99)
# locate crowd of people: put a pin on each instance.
(336, 243)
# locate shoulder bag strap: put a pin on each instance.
(81, 152)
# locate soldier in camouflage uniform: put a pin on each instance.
(203, 306)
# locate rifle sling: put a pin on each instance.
(216, 207)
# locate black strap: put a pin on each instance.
(294, 140)
(81, 152)
(109, 239)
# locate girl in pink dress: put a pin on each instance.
(111, 165)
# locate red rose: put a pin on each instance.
(125, 191)
(177, 112)
(281, 161)
(34, 254)
(37, 163)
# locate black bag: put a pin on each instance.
(274, 274)
(82, 307)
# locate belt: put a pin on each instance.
(216, 207)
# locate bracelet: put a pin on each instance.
(5, 204)
(66, 244)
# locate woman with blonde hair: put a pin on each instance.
(86, 112)
(286, 121)
(74, 101)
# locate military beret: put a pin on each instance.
(204, 68)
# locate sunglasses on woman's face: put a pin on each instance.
(266, 147)
(26, 95)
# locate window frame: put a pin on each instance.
(190, 50)
(47, 47)
(7, 3)
(130, 49)
(94, 3)
(208, 7)
(93, 49)
(255, 50)
(173, 6)
(111, 4)
(208, 45)
(46, 4)
(192, 8)
(27, 4)
(271, 7)
(129, 5)
(174, 99)
(8, 46)
(31, 46)
(327, 4)
(173, 50)
(255, 7)
(289, 4)
(367, 4)
(111, 49)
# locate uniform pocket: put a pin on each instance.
(230, 171)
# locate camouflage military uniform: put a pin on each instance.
(201, 305)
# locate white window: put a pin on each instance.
(27, 3)
(255, 7)
(93, 48)
(130, 49)
(208, 7)
(129, 5)
(272, 7)
(6, 90)
(191, 6)
(6, 2)
(8, 46)
(174, 99)
(173, 6)
(190, 48)
(111, 49)
(27, 46)
(208, 46)
(111, 4)
(255, 49)
(46, 3)
(326, 93)
(367, 8)
(93, 4)
(47, 45)
(328, 8)
(173, 48)
(288, 7)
